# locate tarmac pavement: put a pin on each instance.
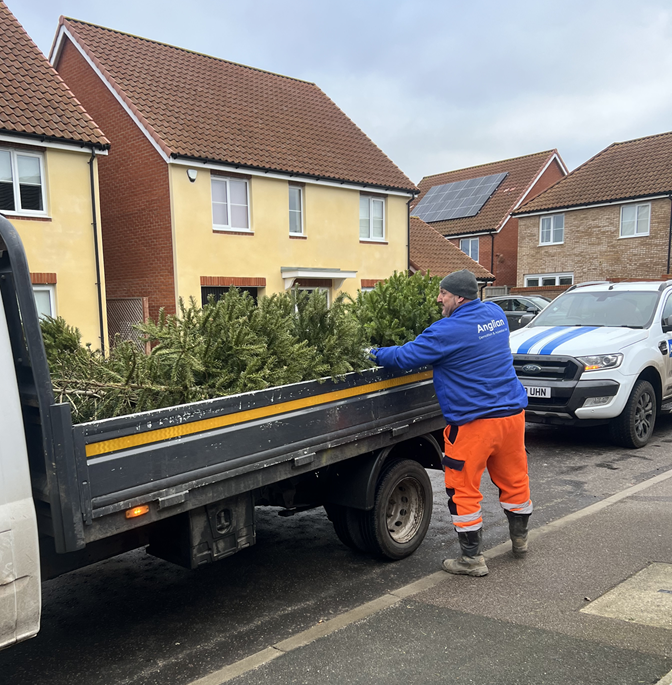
(591, 604)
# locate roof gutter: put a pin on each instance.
(266, 171)
(603, 203)
(55, 139)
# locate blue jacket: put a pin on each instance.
(473, 366)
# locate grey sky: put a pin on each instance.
(436, 85)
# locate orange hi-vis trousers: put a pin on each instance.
(499, 445)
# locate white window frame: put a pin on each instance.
(18, 210)
(556, 276)
(300, 211)
(637, 233)
(371, 199)
(470, 247)
(214, 178)
(51, 290)
(552, 218)
(310, 288)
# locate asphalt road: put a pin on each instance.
(138, 620)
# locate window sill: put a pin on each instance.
(637, 235)
(550, 244)
(26, 217)
(233, 231)
(367, 241)
(296, 236)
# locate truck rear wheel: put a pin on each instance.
(400, 517)
(347, 525)
(634, 427)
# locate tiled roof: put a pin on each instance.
(206, 108)
(34, 100)
(633, 169)
(522, 172)
(430, 251)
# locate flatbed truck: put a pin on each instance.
(185, 481)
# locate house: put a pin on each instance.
(608, 219)
(472, 207)
(49, 152)
(225, 175)
(431, 252)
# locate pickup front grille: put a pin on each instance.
(548, 368)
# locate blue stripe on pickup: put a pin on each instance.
(556, 342)
(530, 342)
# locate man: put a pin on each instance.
(483, 403)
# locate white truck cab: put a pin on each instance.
(20, 598)
(600, 353)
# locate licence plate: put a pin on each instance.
(537, 391)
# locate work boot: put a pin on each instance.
(518, 532)
(471, 562)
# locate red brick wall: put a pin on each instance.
(503, 266)
(134, 195)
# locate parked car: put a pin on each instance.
(514, 307)
(600, 354)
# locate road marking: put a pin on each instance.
(389, 599)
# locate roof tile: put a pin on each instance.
(203, 107)
(628, 170)
(430, 251)
(33, 98)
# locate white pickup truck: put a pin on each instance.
(600, 353)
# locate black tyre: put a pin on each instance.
(398, 522)
(347, 524)
(634, 427)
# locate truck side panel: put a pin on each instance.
(149, 456)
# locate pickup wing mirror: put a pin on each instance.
(667, 324)
(528, 316)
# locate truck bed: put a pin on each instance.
(185, 456)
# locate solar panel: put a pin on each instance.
(457, 200)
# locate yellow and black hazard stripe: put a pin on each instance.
(96, 449)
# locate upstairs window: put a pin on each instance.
(371, 218)
(230, 207)
(296, 210)
(552, 230)
(21, 186)
(470, 247)
(635, 220)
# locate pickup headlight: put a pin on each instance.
(598, 362)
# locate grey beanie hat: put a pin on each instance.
(461, 283)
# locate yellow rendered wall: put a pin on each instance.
(331, 228)
(64, 243)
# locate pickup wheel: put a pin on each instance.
(398, 522)
(634, 427)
